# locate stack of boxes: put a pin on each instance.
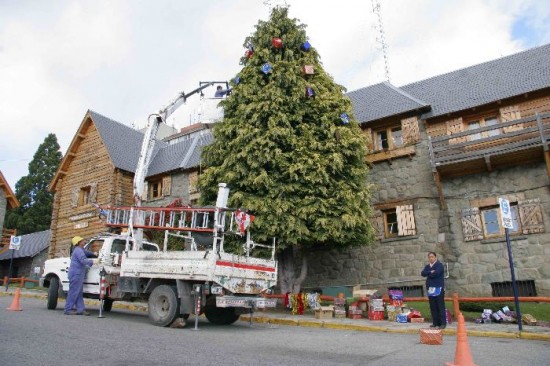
(394, 308)
(339, 307)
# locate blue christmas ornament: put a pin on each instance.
(236, 80)
(309, 92)
(266, 68)
(306, 46)
(345, 118)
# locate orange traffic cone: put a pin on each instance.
(15, 302)
(463, 357)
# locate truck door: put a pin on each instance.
(91, 283)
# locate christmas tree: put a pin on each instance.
(290, 149)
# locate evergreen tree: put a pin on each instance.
(35, 212)
(290, 149)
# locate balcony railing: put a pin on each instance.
(489, 147)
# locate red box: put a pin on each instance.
(431, 336)
(376, 315)
(417, 320)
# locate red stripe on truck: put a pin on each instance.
(245, 266)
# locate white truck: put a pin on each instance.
(203, 278)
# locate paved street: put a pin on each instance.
(36, 336)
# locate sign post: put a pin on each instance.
(15, 243)
(508, 223)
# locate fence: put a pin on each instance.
(21, 280)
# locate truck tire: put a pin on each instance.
(163, 305)
(107, 305)
(220, 316)
(53, 293)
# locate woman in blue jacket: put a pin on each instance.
(435, 284)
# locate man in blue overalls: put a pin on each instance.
(77, 273)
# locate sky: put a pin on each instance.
(126, 59)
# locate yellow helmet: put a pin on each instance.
(76, 240)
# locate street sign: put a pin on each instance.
(506, 213)
(15, 242)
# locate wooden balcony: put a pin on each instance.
(512, 143)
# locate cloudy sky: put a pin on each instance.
(127, 58)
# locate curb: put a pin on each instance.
(324, 324)
(370, 328)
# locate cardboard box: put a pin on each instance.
(417, 320)
(357, 292)
(324, 312)
(376, 315)
(431, 336)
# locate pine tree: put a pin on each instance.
(35, 212)
(290, 149)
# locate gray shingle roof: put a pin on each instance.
(455, 91)
(31, 245)
(122, 142)
(382, 100)
(484, 83)
(124, 146)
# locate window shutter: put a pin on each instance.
(409, 126)
(166, 185)
(93, 193)
(74, 197)
(455, 126)
(508, 114)
(378, 224)
(471, 224)
(530, 215)
(368, 132)
(193, 180)
(405, 220)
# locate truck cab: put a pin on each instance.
(109, 249)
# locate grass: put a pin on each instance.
(540, 311)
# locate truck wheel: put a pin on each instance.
(107, 305)
(163, 305)
(53, 293)
(220, 316)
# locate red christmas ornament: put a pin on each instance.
(277, 42)
(248, 53)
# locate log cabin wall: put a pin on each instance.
(88, 178)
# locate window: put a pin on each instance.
(484, 222)
(84, 196)
(388, 138)
(504, 289)
(390, 223)
(483, 122)
(396, 222)
(155, 189)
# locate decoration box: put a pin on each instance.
(324, 312)
(431, 336)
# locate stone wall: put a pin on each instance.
(472, 265)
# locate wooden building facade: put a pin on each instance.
(99, 167)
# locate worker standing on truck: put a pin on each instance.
(77, 273)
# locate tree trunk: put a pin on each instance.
(288, 282)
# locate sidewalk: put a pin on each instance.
(283, 317)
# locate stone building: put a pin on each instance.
(443, 150)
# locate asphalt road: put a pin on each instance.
(37, 336)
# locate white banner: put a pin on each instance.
(15, 242)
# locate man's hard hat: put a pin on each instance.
(76, 240)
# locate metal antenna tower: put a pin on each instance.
(381, 38)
